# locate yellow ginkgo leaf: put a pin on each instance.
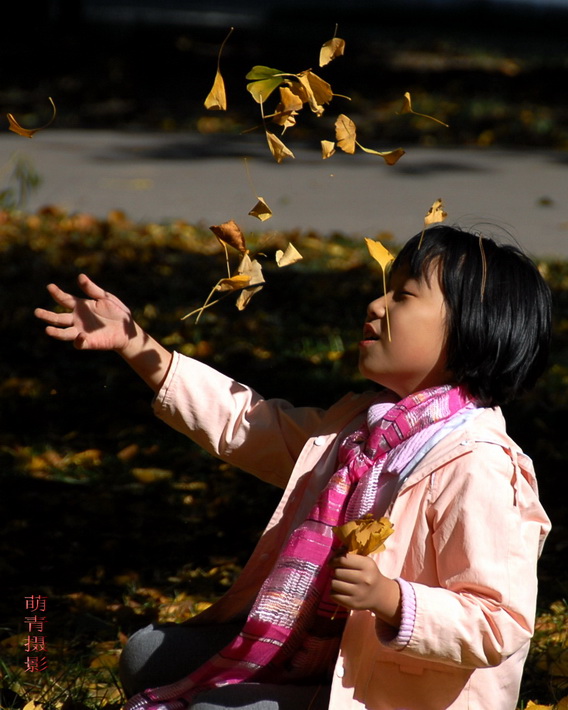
(277, 148)
(379, 253)
(389, 156)
(365, 535)
(384, 258)
(230, 233)
(233, 283)
(290, 256)
(261, 210)
(330, 50)
(318, 91)
(436, 213)
(327, 149)
(263, 82)
(217, 99)
(287, 109)
(407, 108)
(345, 133)
(29, 132)
(252, 269)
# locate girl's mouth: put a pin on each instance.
(369, 333)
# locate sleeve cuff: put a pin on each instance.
(397, 639)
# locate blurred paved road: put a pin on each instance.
(158, 177)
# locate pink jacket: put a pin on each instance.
(468, 531)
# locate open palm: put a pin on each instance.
(99, 322)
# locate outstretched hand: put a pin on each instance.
(99, 322)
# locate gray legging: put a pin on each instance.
(162, 654)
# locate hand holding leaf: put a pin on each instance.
(365, 535)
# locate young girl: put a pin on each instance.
(442, 618)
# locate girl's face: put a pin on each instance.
(415, 357)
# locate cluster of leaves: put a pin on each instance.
(300, 89)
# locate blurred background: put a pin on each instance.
(495, 68)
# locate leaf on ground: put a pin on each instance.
(327, 149)
(407, 108)
(216, 100)
(231, 234)
(290, 256)
(30, 132)
(261, 210)
(331, 49)
(345, 133)
(277, 148)
(263, 81)
(151, 475)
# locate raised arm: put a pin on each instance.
(102, 322)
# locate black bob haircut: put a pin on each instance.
(498, 310)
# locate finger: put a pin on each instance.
(347, 576)
(60, 319)
(64, 334)
(62, 297)
(90, 288)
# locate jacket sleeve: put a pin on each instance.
(233, 422)
(487, 527)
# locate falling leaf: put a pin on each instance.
(318, 91)
(29, 132)
(407, 108)
(365, 535)
(379, 253)
(277, 148)
(290, 256)
(287, 109)
(331, 49)
(261, 210)
(327, 149)
(217, 99)
(233, 283)
(253, 270)
(389, 156)
(383, 256)
(230, 233)
(436, 213)
(264, 81)
(345, 133)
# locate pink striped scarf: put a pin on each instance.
(294, 628)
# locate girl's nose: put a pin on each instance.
(376, 309)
